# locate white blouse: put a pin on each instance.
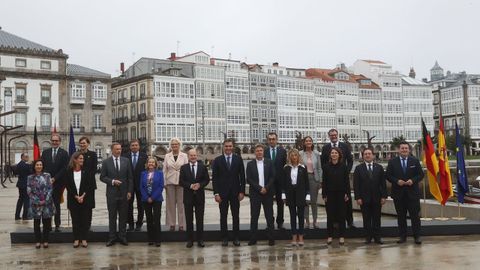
(77, 178)
(294, 174)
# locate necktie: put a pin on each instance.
(370, 171)
(228, 162)
(274, 154)
(193, 171)
(404, 165)
(54, 154)
(334, 144)
(116, 165)
(134, 160)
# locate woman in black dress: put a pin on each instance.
(90, 162)
(335, 188)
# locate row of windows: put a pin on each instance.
(78, 90)
(303, 86)
(209, 90)
(301, 103)
(209, 73)
(174, 110)
(174, 90)
(166, 131)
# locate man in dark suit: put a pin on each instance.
(193, 178)
(348, 159)
(278, 156)
(405, 172)
(228, 178)
(23, 170)
(137, 163)
(55, 162)
(117, 175)
(370, 193)
(261, 180)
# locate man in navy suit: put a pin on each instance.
(23, 170)
(193, 178)
(137, 163)
(348, 159)
(55, 162)
(405, 172)
(261, 180)
(278, 156)
(370, 193)
(228, 178)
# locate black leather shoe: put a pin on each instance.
(201, 244)
(138, 228)
(57, 229)
(236, 243)
(189, 244)
(352, 226)
(110, 243)
(280, 227)
(150, 243)
(157, 244)
(379, 241)
(224, 243)
(130, 228)
(251, 242)
(124, 242)
(418, 241)
(402, 240)
(271, 242)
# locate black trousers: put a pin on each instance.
(197, 204)
(47, 227)
(256, 202)
(279, 201)
(57, 195)
(232, 201)
(153, 212)
(371, 213)
(22, 202)
(336, 210)
(117, 208)
(138, 196)
(80, 221)
(402, 205)
(296, 211)
(349, 210)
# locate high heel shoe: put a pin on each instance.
(329, 240)
(38, 245)
(84, 244)
(45, 245)
(341, 241)
(76, 244)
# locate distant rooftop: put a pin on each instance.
(8, 40)
(77, 70)
(411, 81)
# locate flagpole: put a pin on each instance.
(442, 217)
(459, 217)
(424, 216)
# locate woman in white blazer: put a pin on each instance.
(174, 199)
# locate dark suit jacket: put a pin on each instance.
(57, 169)
(124, 175)
(300, 190)
(85, 186)
(253, 178)
(23, 170)
(347, 155)
(395, 173)
(369, 189)
(279, 163)
(139, 168)
(186, 179)
(90, 162)
(226, 181)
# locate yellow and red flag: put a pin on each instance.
(430, 161)
(444, 168)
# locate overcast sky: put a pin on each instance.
(296, 33)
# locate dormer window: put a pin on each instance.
(365, 82)
(342, 76)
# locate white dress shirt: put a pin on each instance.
(294, 174)
(77, 178)
(261, 174)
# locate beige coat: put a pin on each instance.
(171, 168)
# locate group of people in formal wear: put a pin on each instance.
(292, 178)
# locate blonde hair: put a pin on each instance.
(292, 152)
(151, 158)
(177, 140)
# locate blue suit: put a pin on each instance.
(153, 210)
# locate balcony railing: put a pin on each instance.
(79, 129)
(133, 118)
(77, 100)
(114, 121)
(20, 99)
(122, 100)
(46, 100)
(142, 96)
(99, 129)
(132, 98)
(99, 101)
(142, 117)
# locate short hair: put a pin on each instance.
(84, 138)
(340, 154)
(259, 145)
(289, 156)
(56, 135)
(272, 133)
(404, 142)
(151, 158)
(75, 156)
(332, 130)
(113, 144)
(228, 140)
(134, 141)
(35, 163)
(303, 142)
(366, 149)
(175, 139)
(23, 154)
(193, 149)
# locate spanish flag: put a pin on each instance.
(444, 168)
(430, 161)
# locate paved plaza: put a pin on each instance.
(453, 252)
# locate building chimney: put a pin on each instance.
(173, 56)
(412, 73)
(275, 64)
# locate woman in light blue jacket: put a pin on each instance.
(311, 161)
